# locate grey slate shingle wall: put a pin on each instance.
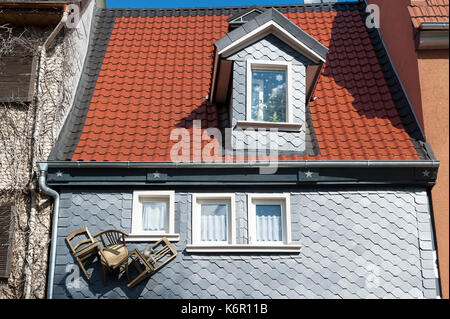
(270, 49)
(356, 243)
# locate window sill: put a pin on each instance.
(282, 126)
(243, 248)
(152, 237)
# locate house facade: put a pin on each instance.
(273, 146)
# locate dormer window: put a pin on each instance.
(270, 65)
(268, 91)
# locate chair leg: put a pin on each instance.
(137, 280)
(80, 263)
(128, 272)
(104, 274)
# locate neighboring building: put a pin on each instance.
(420, 56)
(346, 214)
(41, 61)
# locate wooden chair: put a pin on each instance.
(113, 252)
(84, 248)
(160, 253)
(150, 260)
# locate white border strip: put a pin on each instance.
(243, 249)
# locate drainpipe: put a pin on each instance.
(57, 29)
(43, 167)
(54, 226)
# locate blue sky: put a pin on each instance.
(191, 3)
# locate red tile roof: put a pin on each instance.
(157, 71)
(428, 11)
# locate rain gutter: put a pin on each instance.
(255, 164)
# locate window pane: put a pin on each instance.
(154, 216)
(269, 95)
(214, 222)
(268, 223)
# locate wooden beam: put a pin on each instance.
(37, 4)
(312, 75)
(30, 16)
(223, 81)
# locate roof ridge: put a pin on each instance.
(248, 6)
(234, 9)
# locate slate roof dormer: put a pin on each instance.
(268, 44)
(272, 22)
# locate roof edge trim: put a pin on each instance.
(305, 164)
(433, 36)
(434, 26)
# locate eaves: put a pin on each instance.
(288, 173)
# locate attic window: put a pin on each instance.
(268, 95)
(268, 91)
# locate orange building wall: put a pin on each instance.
(398, 36)
(434, 82)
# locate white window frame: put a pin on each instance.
(218, 198)
(269, 65)
(263, 247)
(282, 199)
(137, 234)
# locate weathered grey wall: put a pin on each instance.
(270, 49)
(356, 243)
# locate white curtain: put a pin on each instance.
(154, 216)
(214, 222)
(268, 223)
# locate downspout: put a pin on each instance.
(57, 29)
(54, 226)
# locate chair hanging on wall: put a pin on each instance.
(83, 249)
(150, 260)
(113, 252)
